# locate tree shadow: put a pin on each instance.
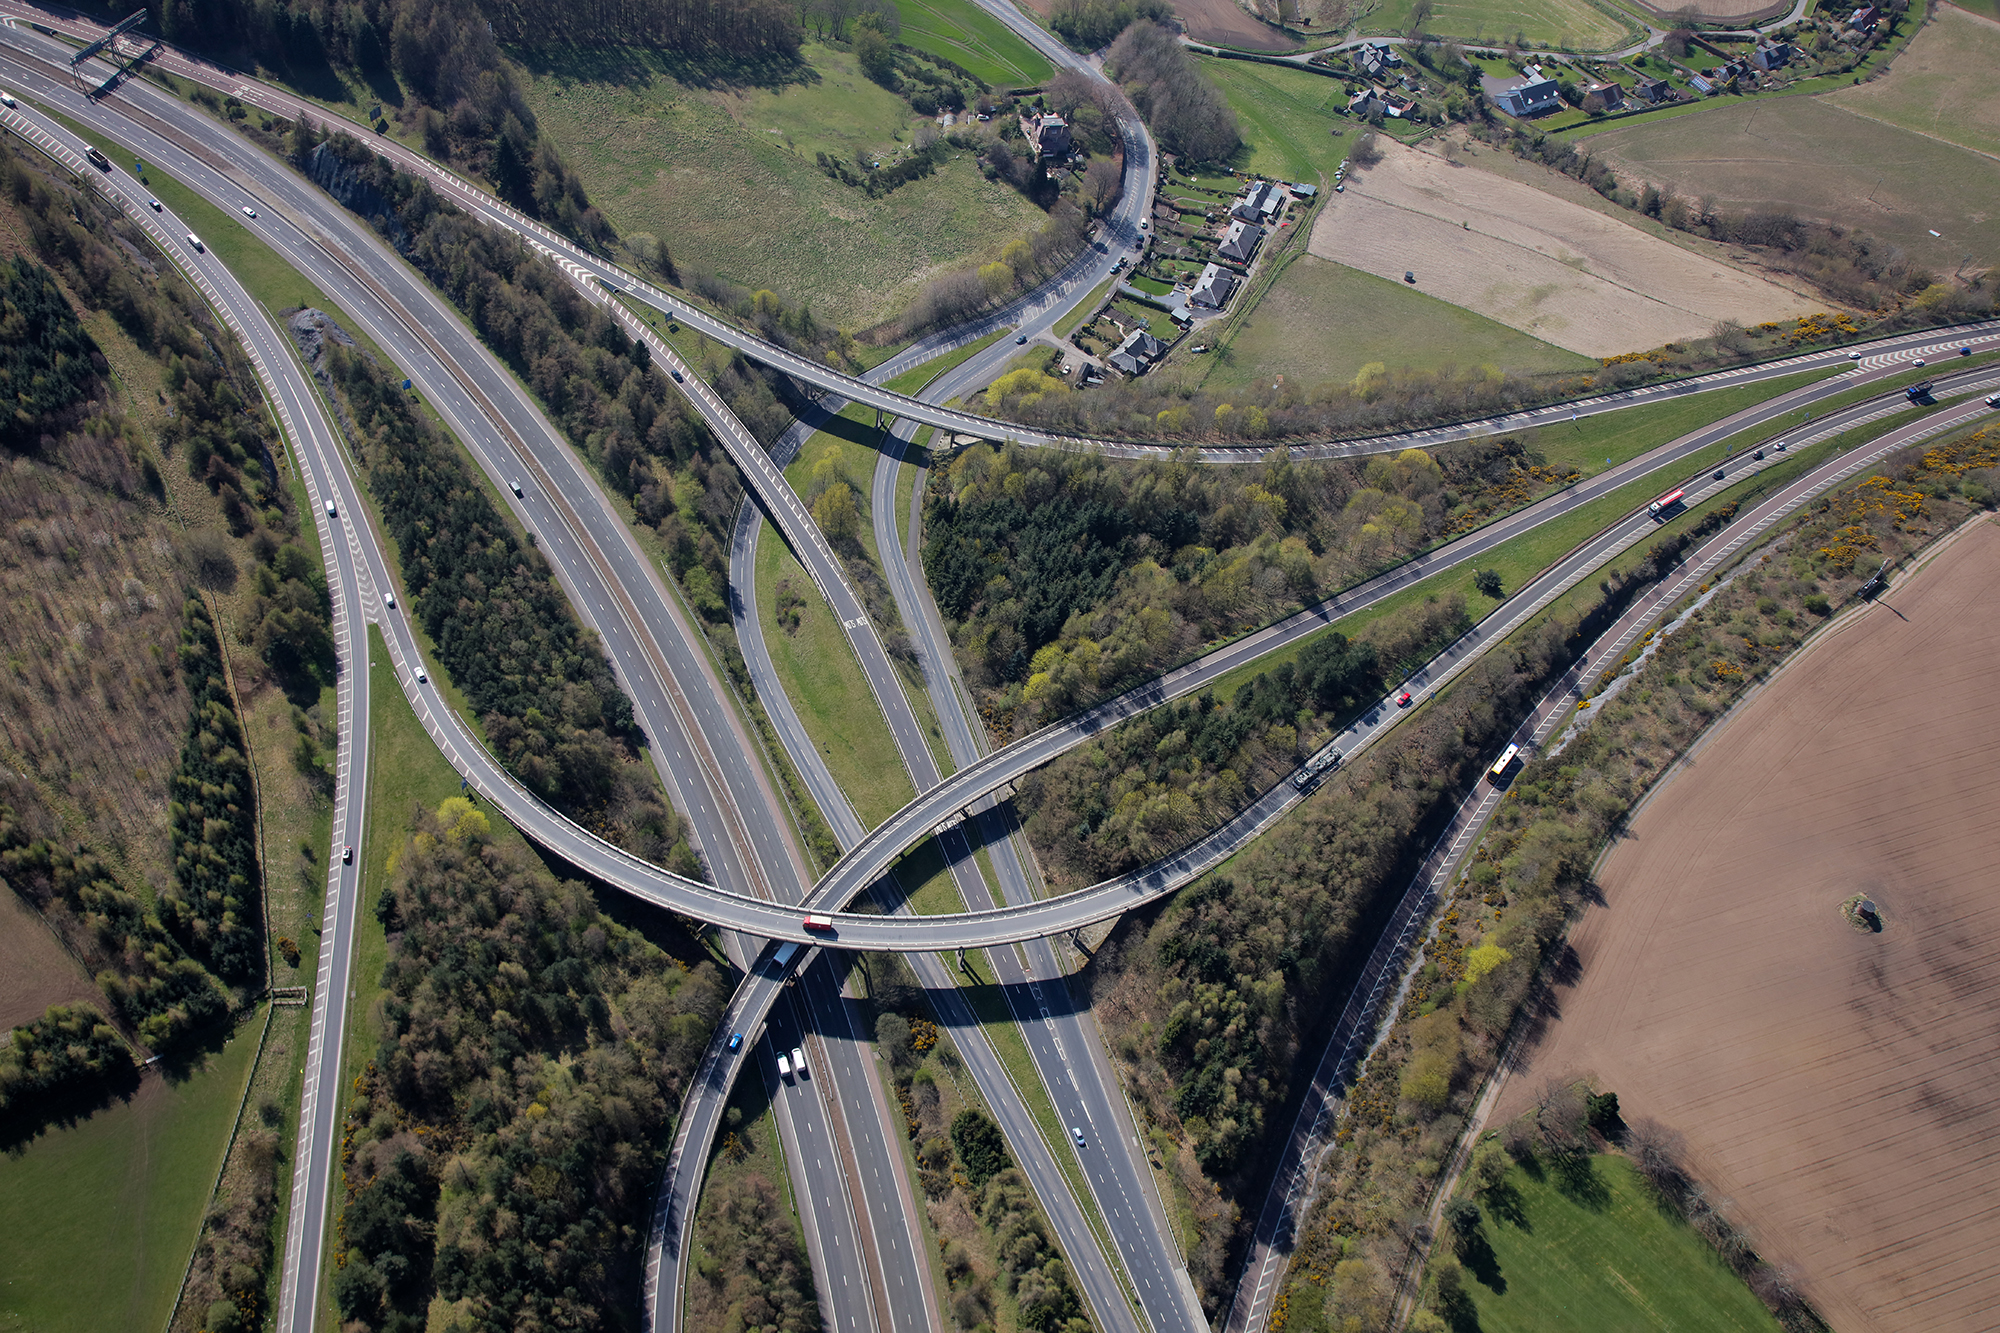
(1476, 1253)
(1575, 1178)
(625, 66)
(24, 1124)
(1506, 1205)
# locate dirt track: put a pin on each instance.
(1836, 1087)
(1533, 261)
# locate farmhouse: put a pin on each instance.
(1367, 102)
(1864, 19)
(1776, 55)
(1139, 350)
(1655, 91)
(1377, 57)
(1530, 97)
(1262, 202)
(1048, 135)
(1240, 241)
(1609, 95)
(1213, 288)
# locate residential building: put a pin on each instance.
(1530, 97)
(1213, 288)
(1864, 19)
(1655, 91)
(1262, 202)
(1610, 96)
(1139, 350)
(1377, 57)
(1775, 55)
(1240, 241)
(1048, 135)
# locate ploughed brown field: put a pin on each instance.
(1836, 1087)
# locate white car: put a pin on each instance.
(515, 487)
(331, 512)
(195, 241)
(249, 212)
(799, 1061)
(422, 679)
(1916, 361)
(1076, 1132)
(8, 99)
(389, 600)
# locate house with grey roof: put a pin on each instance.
(1213, 288)
(1240, 241)
(1048, 135)
(1529, 97)
(1139, 350)
(1260, 203)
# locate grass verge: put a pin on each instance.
(820, 675)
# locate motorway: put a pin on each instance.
(159, 154)
(304, 226)
(726, 905)
(1363, 1023)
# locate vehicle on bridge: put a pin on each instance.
(1316, 768)
(823, 924)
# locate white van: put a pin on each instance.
(784, 1067)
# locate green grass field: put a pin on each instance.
(97, 1220)
(1597, 1256)
(1575, 25)
(1324, 321)
(1941, 86)
(1816, 157)
(973, 39)
(727, 179)
(1287, 118)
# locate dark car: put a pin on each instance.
(1409, 275)
(1965, 351)
(1718, 474)
(347, 856)
(1021, 339)
(1403, 700)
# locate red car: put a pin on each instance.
(1403, 699)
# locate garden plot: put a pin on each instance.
(1535, 262)
(1834, 1084)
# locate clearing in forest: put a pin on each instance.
(1833, 1083)
(1533, 261)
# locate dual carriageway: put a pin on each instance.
(566, 507)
